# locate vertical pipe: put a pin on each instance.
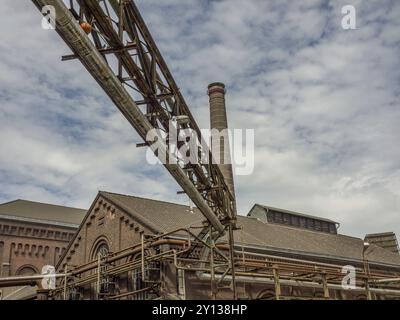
(98, 274)
(213, 287)
(143, 262)
(232, 259)
(219, 121)
(277, 283)
(325, 285)
(368, 291)
(65, 282)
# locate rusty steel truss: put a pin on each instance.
(118, 50)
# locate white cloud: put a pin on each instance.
(324, 103)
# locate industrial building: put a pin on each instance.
(130, 248)
(33, 235)
(304, 253)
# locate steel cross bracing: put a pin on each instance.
(120, 53)
(121, 37)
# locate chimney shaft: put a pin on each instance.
(219, 121)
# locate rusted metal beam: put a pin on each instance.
(79, 42)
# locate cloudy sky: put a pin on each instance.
(324, 103)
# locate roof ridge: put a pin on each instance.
(8, 202)
(381, 233)
(143, 198)
(42, 203)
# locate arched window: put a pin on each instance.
(266, 295)
(102, 248)
(136, 280)
(27, 271)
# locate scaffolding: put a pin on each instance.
(274, 272)
(112, 41)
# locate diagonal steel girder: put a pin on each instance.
(73, 35)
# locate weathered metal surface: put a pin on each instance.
(71, 32)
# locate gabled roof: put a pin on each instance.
(159, 216)
(30, 211)
(164, 217)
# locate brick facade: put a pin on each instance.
(104, 223)
(26, 247)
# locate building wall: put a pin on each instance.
(105, 224)
(26, 247)
(108, 224)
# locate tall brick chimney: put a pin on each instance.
(219, 121)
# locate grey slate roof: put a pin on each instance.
(41, 212)
(160, 216)
(163, 217)
(296, 213)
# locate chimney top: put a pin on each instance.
(216, 87)
(216, 84)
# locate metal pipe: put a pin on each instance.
(25, 280)
(142, 257)
(294, 283)
(386, 280)
(80, 44)
(123, 295)
(65, 283)
(98, 274)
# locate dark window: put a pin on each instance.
(102, 250)
(26, 271)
